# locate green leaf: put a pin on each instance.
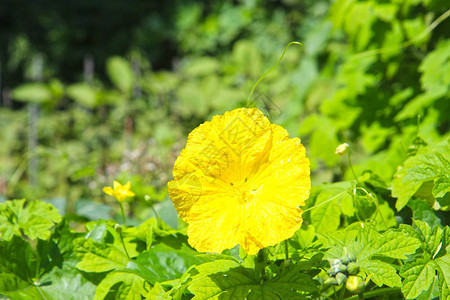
(222, 277)
(162, 263)
(83, 94)
(442, 265)
(157, 293)
(11, 283)
(431, 237)
(419, 273)
(372, 249)
(423, 212)
(127, 286)
(35, 219)
(435, 68)
(327, 216)
(392, 244)
(15, 288)
(99, 257)
(32, 92)
(64, 283)
(381, 272)
(226, 279)
(418, 176)
(120, 72)
(441, 186)
(401, 190)
(18, 267)
(418, 276)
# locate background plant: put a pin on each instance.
(374, 75)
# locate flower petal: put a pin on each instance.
(108, 190)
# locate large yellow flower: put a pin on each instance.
(240, 180)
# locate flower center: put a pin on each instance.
(244, 191)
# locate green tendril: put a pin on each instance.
(265, 74)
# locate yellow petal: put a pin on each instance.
(108, 190)
(116, 185)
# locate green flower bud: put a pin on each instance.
(330, 281)
(336, 269)
(355, 284)
(340, 278)
(118, 228)
(347, 256)
(352, 268)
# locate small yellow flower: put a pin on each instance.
(240, 180)
(120, 192)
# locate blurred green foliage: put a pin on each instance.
(372, 74)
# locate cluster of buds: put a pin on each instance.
(345, 269)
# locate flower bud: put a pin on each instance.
(118, 228)
(342, 149)
(340, 278)
(345, 258)
(355, 284)
(352, 268)
(337, 268)
(330, 281)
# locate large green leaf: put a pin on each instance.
(418, 276)
(419, 272)
(373, 250)
(163, 263)
(417, 174)
(381, 272)
(442, 265)
(392, 244)
(34, 219)
(222, 279)
(227, 279)
(64, 283)
(99, 257)
(18, 266)
(127, 286)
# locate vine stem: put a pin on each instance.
(374, 293)
(325, 202)
(265, 74)
(286, 250)
(351, 166)
(123, 244)
(123, 213)
(408, 43)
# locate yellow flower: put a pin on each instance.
(240, 180)
(120, 192)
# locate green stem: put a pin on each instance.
(123, 244)
(351, 166)
(361, 295)
(156, 215)
(260, 264)
(341, 295)
(265, 74)
(378, 292)
(325, 202)
(123, 213)
(286, 250)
